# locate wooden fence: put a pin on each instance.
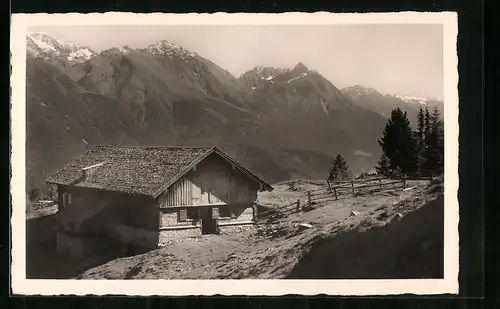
(331, 192)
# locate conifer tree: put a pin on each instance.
(398, 143)
(333, 174)
(342, 167)
(339, 169)
(424, 164)
(420, 126)
(383, 166)
(427, 123)
(434, 159)
(439, 131)
(420, 139)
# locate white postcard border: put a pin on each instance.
(23, 286)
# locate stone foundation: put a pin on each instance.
(230, 229)
(167, 236)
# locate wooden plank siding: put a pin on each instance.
(179, 194)
(213, 182)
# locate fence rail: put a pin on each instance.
(332, 192)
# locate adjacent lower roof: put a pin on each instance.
(137, 170)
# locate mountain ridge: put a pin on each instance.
(290, 125)
(42, 45)
(383, 104)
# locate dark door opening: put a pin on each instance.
(208, 223)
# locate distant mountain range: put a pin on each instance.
(384, 104)
(282, 122)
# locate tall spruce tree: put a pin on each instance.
(424, 164)
(398, 143)
(420, 139)
(420, 125)
(434, 159)
(427, 121)
(439, 131)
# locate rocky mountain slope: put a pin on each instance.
(305, 109)
(282, 123)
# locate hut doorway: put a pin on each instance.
(208, 222)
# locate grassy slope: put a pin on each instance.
(281, 250)
(410, 248)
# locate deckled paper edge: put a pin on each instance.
(23, 286)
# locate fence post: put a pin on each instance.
(329, 186)
(309, 199)
(404, 181)
(298, 205)
(335, 191)
(352, 187)
(380, 183)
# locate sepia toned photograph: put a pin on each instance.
(219, 152)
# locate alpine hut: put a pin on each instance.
(139, 198)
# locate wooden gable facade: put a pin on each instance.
(213, 189)
(214, 181)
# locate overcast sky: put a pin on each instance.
(400, 59)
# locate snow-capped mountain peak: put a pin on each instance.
(362, 91)
(167, 48)
(43, 45)
(42, 41)
(413, 99)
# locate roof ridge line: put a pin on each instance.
(152, 146)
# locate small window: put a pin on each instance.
(189, 214)
(183, 215)
(225, 212)
(215, 212)
(66, 199)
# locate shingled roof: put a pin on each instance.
(136, 170)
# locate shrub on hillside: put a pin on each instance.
(34, 194)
